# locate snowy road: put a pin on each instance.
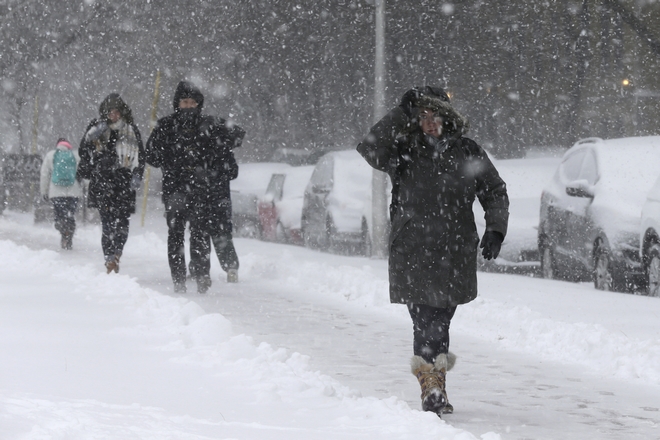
(492, 389)
(334, 309)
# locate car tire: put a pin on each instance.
(331, 243)
(548, 264)
(653, 271)
(280, 234)
(307, 239)
(602, 275)
(366, 240)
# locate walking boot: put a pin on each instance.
(111, 265)
(432, 379)
(434, 398)
(445, 362)
(67, 241)
(180, 286)
(203, 283)
(232, 276)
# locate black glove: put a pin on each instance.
(491, 244)
(409, 102)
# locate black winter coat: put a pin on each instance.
(197, 165)
(109, 180)
(433, 239)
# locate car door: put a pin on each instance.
(562, 207)
(315, 206)
(580, 227)
(267, 206)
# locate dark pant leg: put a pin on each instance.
(176, 216)
(64, 209)
(430, 330)
(121, 234)
(200, 250)
(226, 252)
(107, 233)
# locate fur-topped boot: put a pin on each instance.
(431, 379)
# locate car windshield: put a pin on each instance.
(630, 169)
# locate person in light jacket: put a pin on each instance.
(437, 173)
(62, 193)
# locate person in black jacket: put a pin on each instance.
(195, 153)
(436, 175)
(112, 158)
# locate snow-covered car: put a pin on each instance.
(589, 222)
(650, 240)
(280, 209)
(333, 215)
(246, 189)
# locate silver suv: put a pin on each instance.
(589, 225)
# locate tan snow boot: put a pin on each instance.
(431, 379)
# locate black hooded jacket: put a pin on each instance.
(106, 161)
(195, 153)
(433, 239)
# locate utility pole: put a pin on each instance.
(379, 180)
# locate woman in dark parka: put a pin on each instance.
(436, 175)
(112, 158)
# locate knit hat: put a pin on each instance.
(61, 142)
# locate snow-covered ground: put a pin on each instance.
(306, 346)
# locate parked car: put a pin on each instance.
(246, 189)
(280, 209)
(297, 156)
(589, 225)
(333, 214)
(650, 240)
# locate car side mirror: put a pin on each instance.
(580, 188)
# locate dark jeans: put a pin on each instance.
(64, 209)
(114, 233)
(430, 330)
(178, 212)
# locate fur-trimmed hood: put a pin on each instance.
(114, 101)
(455, 125)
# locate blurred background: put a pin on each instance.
(300, 75)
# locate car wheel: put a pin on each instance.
(331, 243)
(280, 234)
(307, 239)
(603, 279)
(653, 271)
(548, 265)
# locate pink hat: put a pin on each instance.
(63, 142)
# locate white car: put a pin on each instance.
(280, 208)
(246, 189)
(590, 216)
(650, 240)
(333, 215)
